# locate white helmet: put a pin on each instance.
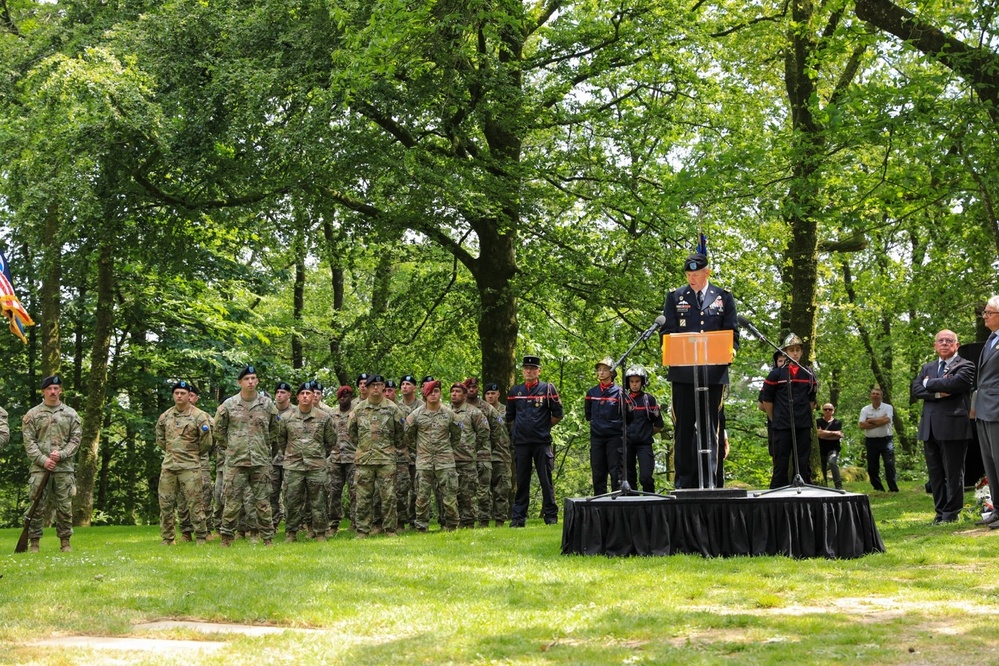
(636, 371)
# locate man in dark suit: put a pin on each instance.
(697, 308)
(944, 386)
(985, 404)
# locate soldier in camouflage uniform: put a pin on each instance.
(342, 462)
(474, 442)
(432, 433)
(306, 437)
(4, 429)
(246, 426)
(407, 403)
(52, 436)
(483, 462)
(185, 435)
(375, 429)
(497, 476)
(183, 515)
(282, 401)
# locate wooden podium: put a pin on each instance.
(698, 350)
(710, 348)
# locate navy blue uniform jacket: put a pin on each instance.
(530, 410)
(683, 316)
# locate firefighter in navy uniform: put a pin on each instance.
(604, 408)
(646, 422)
(698, 307)
(788, 397)
(533, 408)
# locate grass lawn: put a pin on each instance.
(503, 596)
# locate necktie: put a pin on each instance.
(700, 300)
(990, 344)
(940, 370)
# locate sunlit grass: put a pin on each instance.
(509, 596)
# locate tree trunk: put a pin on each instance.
(337, 282)
(298, 306)
(51, 291)
(93, 415)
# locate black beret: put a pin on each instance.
(51, 380)
(492, 387)
(363, 377)
(282, 386)
(248, 370)
(307, 386)
(376, 379)
(317, 385)
(695, 262)
(389, 383)
(408, 378)
(427, 378)
(180, 385)
(193, 389)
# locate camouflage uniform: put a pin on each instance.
(248, 431)
(484, 465)
(432, 436)
(376, 432)
(474, 438)
(184, 436)
(277, 475)
(341, 467)
(183, 515)
(501, 456)
(405, 492)
(48, 429)
(411, 510)
(4, 429)
(305, 439)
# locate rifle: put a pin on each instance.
(22, 543)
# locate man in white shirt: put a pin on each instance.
(875, 421)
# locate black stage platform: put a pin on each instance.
(812, 523)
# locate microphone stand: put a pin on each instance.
(625, 488)
(798, 483)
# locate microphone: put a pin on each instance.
(656, 325)
(748, 325)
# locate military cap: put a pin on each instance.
(492, 387)
(363, 377)
(428, 387)
(532, 361)
(460, 386)
(51, 380)
(376, 379)
(695, 262)
(427, 378)
(471, 381)
(307, 386)
(340, 392)
(389, 383)
(317, 385)
(248, 370)
(408, 378)
(193, 389)
(285, 386)
(180, 385)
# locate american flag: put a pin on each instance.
(9, 303)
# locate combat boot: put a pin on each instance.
(33, 546)
(500, 523)
(200, 542)
(290, 537)
(268, 543)
(185, 536)
(483, 523)
(226, 541)
(254, 539)
(64, 546)
(321, 537)
(166, 542)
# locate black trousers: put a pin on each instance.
(945, 464)
(605, 458)
(543, 460)
(878, 448)
(784, 449)
(685, 456)
(646, 459)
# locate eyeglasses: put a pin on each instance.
(946, 341)
(827, 409)
(986, 313)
